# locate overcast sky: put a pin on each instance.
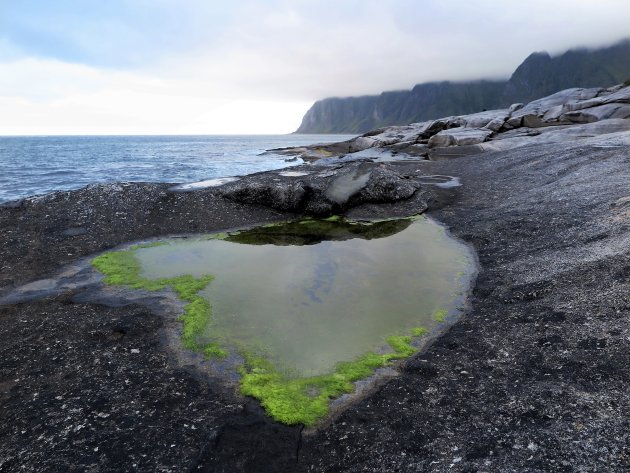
(244, 66)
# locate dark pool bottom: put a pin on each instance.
(311, 306)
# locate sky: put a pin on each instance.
(255, 67)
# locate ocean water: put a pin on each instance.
(40, 164)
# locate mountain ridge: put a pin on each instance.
(539, 75)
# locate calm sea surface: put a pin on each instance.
(41, 164)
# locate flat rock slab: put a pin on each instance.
(595, 114)
(606, 129)
(459, 137)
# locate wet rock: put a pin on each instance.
(207, 184)
(421, 367)
(385, 186)
(286, 196)
(346, 185)
(324, 192)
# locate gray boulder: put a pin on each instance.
(459, 137)
(331, 190)
(496, 124)
(385, 186)
(557, 134)
(595, 114)
(531, 115)
(289, 196)
(482, 119)
(621, 96)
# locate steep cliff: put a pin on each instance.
(430, 100)
(539, 75)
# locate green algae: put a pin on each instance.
(401, 345)
(153, 244)
(306, 400)
(287, 397)
(419, 331)
(312, 231)
(121, 268)
(219, 236)
(440, 315)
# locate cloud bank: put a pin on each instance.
(165, 66)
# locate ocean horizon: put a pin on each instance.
(38, 164)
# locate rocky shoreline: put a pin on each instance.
(534, 378)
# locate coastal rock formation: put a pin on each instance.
(339, 181)
(534, 378)
(459, 137)
(576, 113)
(539, 75)
(323, 191)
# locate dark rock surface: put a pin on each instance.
(324, 191)
(38, 234)
(534, 378)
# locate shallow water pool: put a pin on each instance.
(307, 295)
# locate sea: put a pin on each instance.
(34, 165)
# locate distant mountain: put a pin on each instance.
(538, 76)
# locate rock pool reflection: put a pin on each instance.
(307, 295)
